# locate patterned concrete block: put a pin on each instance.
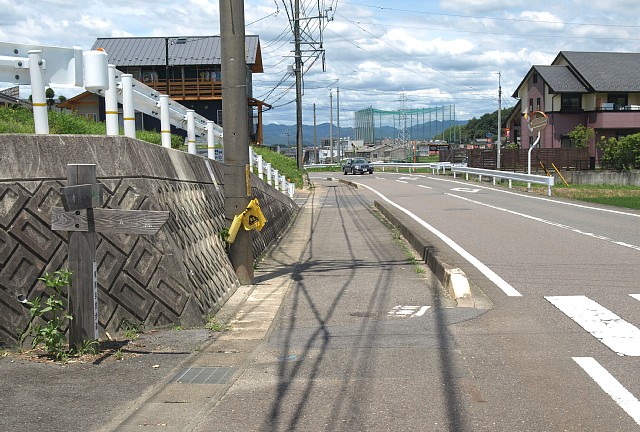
(175, 277)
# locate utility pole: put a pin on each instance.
(315, 142)
(340, 155)
(331, 124)
(237, 188)
(499, 120)
(298, 71)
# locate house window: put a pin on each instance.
(538, 104)
(530, 141)
(565, 141)
(535, 78)
(571, 102)
(619, 101)
(530, 104)
(219, 117)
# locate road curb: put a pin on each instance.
(452, 278)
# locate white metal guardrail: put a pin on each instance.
(273, 177)
(507, 175)
(40, 66)
(435, 167)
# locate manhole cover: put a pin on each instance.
(203, 375)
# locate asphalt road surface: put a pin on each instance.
(559, 350)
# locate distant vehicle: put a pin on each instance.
(356, 166)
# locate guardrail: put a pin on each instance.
(435, 167)
(507, 175)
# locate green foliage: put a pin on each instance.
(581, 136)
(20, 120)
(622, 154)
(216, 326)
(131, 329)
(51, 310)
(286, 166)
(475, 128)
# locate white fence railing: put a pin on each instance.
(40, 66)
(269, 174)
(507, 175)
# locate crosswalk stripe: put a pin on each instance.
(625, 399)
(635, 296)
(616, 333)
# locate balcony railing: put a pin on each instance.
(189, 88)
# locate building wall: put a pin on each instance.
(177, 276)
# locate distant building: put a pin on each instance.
(599, 90)
(187, 68)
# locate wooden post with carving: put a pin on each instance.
(83, 217)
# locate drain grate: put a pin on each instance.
(203, 375)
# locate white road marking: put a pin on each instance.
(408, 178)
(425, 187)
(541, 198)
(400, 181)
(619, 335)
(490, 274)
(548, 222)
(635, 296)
(607, 382)
(408, 311)
(470, 190)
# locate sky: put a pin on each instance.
(376, 53)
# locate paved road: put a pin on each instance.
(561, 345)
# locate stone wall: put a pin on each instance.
(177, 276)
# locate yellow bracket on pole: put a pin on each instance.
(251, 218)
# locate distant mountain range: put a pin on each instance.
(285, 135)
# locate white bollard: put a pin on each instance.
(111, 103)
(251, 158)
(38, 95)
(260, 167)
(165, 123)
(268, 168)
(128, 110)
(276, 178)
(211, 140)
(191, 131)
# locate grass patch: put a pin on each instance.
(613, 195)
(286, 166)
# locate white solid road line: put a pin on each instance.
(619, 335)
(490, 274)
(548, 222)
(627, 401)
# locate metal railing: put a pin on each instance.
(507, 175)
(269, 174)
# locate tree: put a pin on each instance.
(622, 154)
(581, 136)
(49, 94)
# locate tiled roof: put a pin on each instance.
(605, 71)
(560, 79)
(183, 50)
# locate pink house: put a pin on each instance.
(600, 90)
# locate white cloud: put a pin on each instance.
(439, 52)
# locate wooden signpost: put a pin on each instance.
(83, 217)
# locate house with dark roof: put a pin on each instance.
(599, 90)
(187, 68)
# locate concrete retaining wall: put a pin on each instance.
(630, 178)
(177, 276)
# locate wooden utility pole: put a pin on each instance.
(237, 187)
(298, 71)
